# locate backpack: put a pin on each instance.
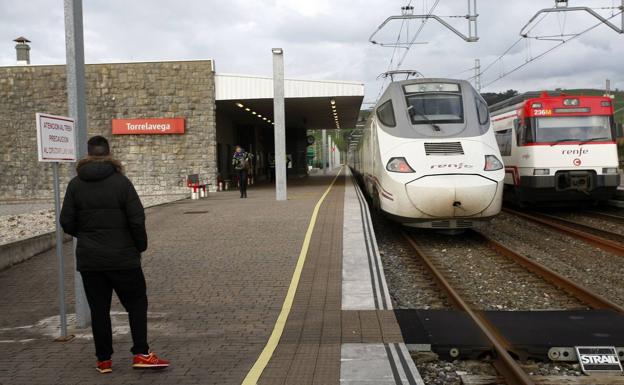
(244, 163)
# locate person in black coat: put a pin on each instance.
(103, 211)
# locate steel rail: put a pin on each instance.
(599, 241)
(601, 215)
(580, 292)
(606, 234)
(504, 363)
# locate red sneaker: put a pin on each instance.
(104, 366)
(149, 361)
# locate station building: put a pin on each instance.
(165, 121)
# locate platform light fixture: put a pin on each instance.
(240, 105)
(259, 115)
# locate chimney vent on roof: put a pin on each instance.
(22, 50)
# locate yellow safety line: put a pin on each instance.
(256, 371)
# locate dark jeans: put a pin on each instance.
(242, 182)
(130, 288)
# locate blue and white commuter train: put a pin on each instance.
(428, 156)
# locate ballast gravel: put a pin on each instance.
(575, 259)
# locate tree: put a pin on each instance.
(493, 97)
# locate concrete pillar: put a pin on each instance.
(280, 124)
(324, 150)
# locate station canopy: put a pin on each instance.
(308, 103)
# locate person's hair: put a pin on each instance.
(98, 146)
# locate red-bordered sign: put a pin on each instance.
(56, 141)
(148, 126)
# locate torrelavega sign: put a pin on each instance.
(148, 126)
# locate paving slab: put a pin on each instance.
(217, 272)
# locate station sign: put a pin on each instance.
(148, 126)
(56, 139)
(598, 359)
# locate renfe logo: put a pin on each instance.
(149, 126)
(457, 166)
(598, 359)
(577, 151)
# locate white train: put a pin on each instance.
(557, 149)
(428, 158)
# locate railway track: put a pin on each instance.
(607, 216)
(606, 240)
(506, 365)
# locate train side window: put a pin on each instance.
(385, 113)
(517, 128)
(483, 113)
(503, 138)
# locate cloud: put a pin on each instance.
(326, 39)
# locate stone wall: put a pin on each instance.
(157, 164)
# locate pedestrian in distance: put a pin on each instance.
(103, 211)
(241, 160)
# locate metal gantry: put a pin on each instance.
(408, 14)
(561, 6)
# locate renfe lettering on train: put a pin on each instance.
(457, 166)
(148, 126)
(577, 151)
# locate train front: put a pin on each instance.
(566, 151)
(440, 157)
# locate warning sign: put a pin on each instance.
(55, 138)
(598, 359)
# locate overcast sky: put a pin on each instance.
(325, 39)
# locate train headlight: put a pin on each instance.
(541, 171)
(570, 102)
(398, 165)
(610, 170)
(492, 163)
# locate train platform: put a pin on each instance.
(241, 291)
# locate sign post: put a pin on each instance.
(56, 143)
(77, 109)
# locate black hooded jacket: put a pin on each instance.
(103, 210)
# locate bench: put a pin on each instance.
(198, 189)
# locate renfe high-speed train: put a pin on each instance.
(428, 157)
(557, 149)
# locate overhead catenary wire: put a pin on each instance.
(422, 25)
(408, 45)
(393, 53)
(561, 43)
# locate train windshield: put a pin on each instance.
(572, 128)
(436, 107)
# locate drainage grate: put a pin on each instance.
(444, 148)
(195, 212)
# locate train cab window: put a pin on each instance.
(438, 108)
(572, 128)
(385, 113)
